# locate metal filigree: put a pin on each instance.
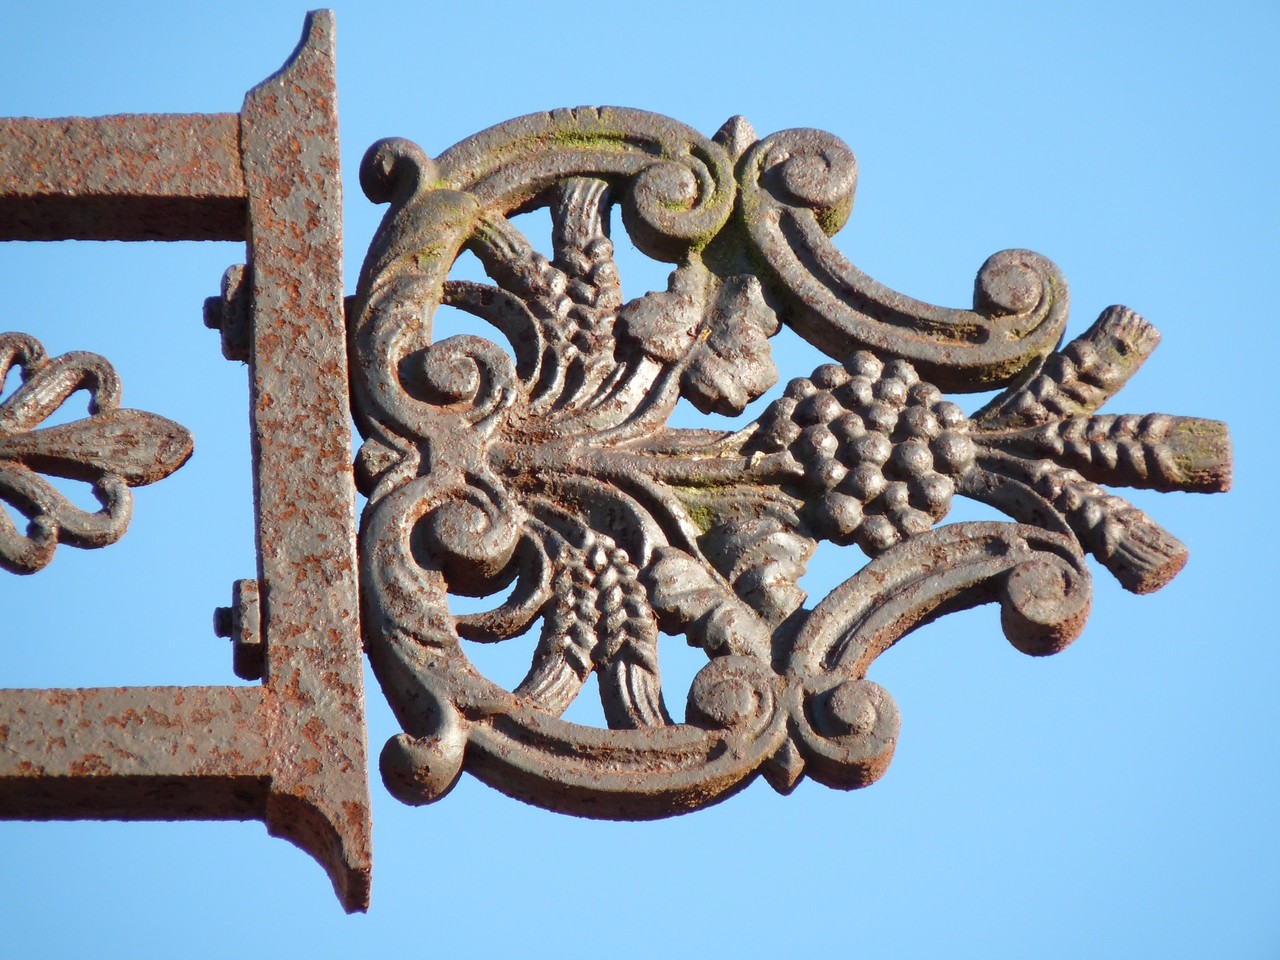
(111, 449)
(552, 468)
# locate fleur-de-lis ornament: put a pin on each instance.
(112, 449)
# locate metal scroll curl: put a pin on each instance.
(797, 190)
(547, 469)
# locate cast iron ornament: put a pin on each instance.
(111, 449)
(551, 466)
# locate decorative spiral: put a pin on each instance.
(673, 206)
(473, 538)
(732, 692)
(393, 169)
(420, 770)
(847, 733)
(471, 375)
(422, 766)
(682, 190)
(1011, 282)
(809, 168)
(797, 190)
(1044, 604)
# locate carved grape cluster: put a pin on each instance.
(879, 448)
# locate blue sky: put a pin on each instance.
(1116, 800)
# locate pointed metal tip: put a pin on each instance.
(736, 135)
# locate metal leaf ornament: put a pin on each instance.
(551, 469)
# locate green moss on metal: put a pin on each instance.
(604, 139)
(700, 513)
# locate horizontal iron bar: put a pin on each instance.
(124, 177)
(134, 753)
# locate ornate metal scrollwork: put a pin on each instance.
(111, 449)
(552, 467)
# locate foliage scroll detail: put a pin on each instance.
(546, 468)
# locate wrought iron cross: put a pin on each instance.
(538, 461)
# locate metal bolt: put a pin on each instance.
(230, 312)
(213, 307)
(242, 624)
(223, 622)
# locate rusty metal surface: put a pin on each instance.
(304, 493)
(135, 753)
(290, 752)
(139, 177)
(552, 467)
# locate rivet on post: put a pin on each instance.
(242, 624)
(230, 312)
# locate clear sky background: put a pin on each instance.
(1117, 800)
